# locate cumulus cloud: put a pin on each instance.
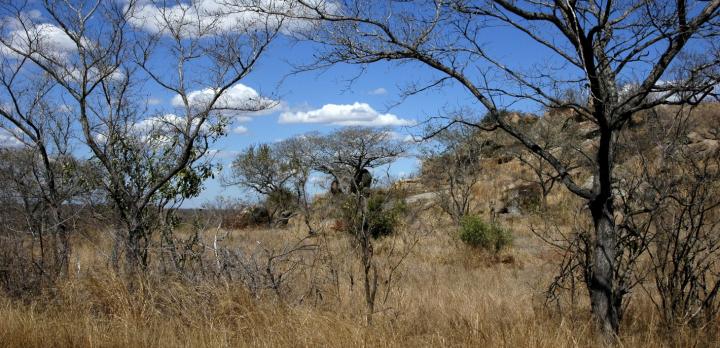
(378, 91)
(237, 98)
(157, 130)
(75, 74)
(7, 139)
(222, 154)
(407, 138)
(356, 114)
(46, 41)
(154, 101)
(46, 38)
(160, 129)
(210, 17)
(240, 130)
(167, 125)
(671, 91)
(165, 122)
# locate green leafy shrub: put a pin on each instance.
(379, 219)
(383, 214)
(479, 234)
(280, 199)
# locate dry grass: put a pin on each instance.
(448, 296)
(444, 295)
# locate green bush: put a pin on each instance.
(477, 233)
(381, 216)
(281, 199)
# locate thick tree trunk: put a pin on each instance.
(136, 249)
(604, 299)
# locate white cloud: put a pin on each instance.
(160, 130)
(7, 139)
(64, 108)
(46, 38)
(407, 138)
(210, 17)
(240, 130)
(166, 123)
(378, 91)
(75, 74)
(100, 138)
(237, 98)
(356, 114)
(154, 101)
(45, 41)
(222, 154)
(671, 91)
(157, 131)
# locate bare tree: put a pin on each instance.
(629, 55)
(560, 134)
(349, 153)
(454, 169)
(106, 55)
(40, 227)
(42, 171)
(301, 153)
(676, 211)
(268, 170)
(262, 169)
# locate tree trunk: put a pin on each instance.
(136, 249)
(116, 248)
(63, 260)
(370, 279)
(132, 251)
(61, 241)
(370, 282)
(605, 300)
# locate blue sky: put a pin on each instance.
(326, 93)
(325, 100)
(379, 87)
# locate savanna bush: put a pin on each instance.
(380, 217)
(383, 214)
(479, 234)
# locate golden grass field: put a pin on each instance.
(443, 294)
(446, 295)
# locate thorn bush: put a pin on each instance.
(479, 234)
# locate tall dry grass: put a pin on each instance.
(446, 295)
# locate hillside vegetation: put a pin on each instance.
(224, 279)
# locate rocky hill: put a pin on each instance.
(509, 179)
